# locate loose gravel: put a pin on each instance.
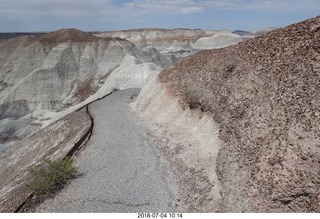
(120, 168)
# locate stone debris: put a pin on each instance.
(265, 95)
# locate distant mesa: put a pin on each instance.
(59, 36)
(71, 35)
(66, 35)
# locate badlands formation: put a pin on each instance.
(46, 83)
(238, 126)
(41, 78)
(45, 77)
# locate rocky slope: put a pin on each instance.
(52, 142)
(43, 77)
(264, 95)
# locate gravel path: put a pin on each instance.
(121, 170)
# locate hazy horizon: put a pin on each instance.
(108, 15)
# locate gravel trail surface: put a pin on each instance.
(120, 167)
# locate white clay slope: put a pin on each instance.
(41, 81)
(188, 141)
(217, 41)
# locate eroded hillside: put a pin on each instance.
(264, 93)
(44, 75)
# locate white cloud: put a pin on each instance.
(167, 6)
(97, 14)
(138, 8)
(194, 6)
(283, 5)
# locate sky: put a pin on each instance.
(105, 15)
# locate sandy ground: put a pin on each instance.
(120, 167)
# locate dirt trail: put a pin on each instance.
(121, 170)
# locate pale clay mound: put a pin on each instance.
(217, 41)
(44, 78)
(264, 93)
(188, 141)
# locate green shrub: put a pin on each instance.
(50, 176)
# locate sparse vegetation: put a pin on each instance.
(50, 176)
